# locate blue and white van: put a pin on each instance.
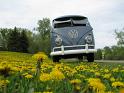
(72, 37)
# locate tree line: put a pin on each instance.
(24, 40)
(115, 52)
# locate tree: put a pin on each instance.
(24, 43)
(117, 53)
(13, 41)
(98, 55)
(43, 35)
(44, 28)
(108, 53)
(4, 33)
(120, 37)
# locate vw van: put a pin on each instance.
(72, 37)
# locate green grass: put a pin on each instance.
(21, 63)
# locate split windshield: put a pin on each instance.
(69, 22)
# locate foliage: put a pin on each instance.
(110, 53)
(98, 55)
(120, 37)
(18, 41)
(44, 34)
(36, 43)
(13, 41)
(24, 42)
(40, 39)
(65, 77)
(44, 28)
(115, 52)
(4, 33)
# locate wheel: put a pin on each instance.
(80, 58)
(90, 57)
(55, 59)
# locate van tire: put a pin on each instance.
(80, 58)
(90, 57)
(55, 59)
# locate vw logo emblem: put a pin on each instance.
(73, 33)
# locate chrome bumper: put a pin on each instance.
(77, 51)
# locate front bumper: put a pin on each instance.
(77, 51)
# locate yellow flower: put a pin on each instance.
(77, 87)
(40, 56)
(97, 73)
(106, 70)
(80, 68)
(45, 77)
(122, 71)
(47, 92)
(28, 76)
(97, 85)
(115, 70)
(112, 79)
(57, 75)
(3, 82)
(118, 84)
(75, 81)
(25, 74)
(107, 76)
(33, 70)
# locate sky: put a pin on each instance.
(104, 15)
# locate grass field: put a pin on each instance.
(19, 73)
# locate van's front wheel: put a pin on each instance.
(90, 57)
(55, 59)
(80, 58)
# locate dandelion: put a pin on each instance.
(28, 76)
(78, 88)
(118, 84)
(57, 74)
(97, 73)
(4, 82)
(40, 56)
(47, 92)
(75, 81)
(107, 76)
(115, 70)
(112, 79)
(45, 77)
(24, 74)
(106, 70)
(97, 85)
(76, 85)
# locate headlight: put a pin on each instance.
(58, 40)
(88, 39)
